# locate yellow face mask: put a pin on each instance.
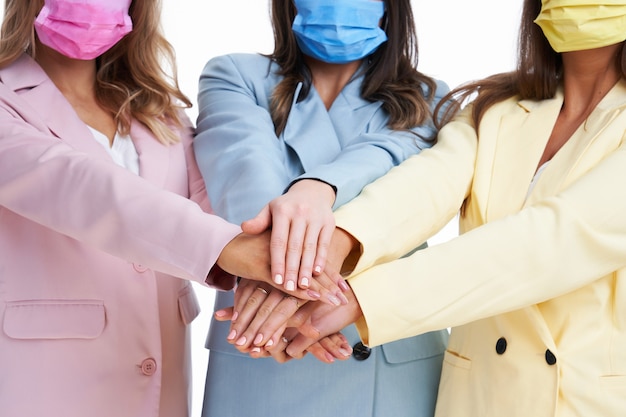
(571, 25)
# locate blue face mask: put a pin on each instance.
(338, 31)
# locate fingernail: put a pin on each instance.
(269, 343)
(258, 339)
(241, 341)
(334, 300)
(318, 269)
(255, 350)
(304, 282)
(345, 352)
(290, 286)
(343, 298)
(220, 313)
(278, 279)
(235, 315)
(313, 294)
(329, 357)
(232, 335)
(343, 285)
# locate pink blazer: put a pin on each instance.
(93, 320)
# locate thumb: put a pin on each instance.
(258, 224)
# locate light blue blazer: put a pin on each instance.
(245, 165)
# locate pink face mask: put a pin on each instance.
(83, 29)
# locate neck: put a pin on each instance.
(72, 76)
(588, 76)
(330, 79)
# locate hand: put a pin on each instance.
(331, 347)
(255, 301)
(248, 256)
(319, 320)
(302, 225)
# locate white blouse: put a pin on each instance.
(122, 151)
(536, 177)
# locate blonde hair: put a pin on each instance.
(131, 81)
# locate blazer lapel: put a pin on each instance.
(588, 145)
(316, 134)
(154, 157)
(517, 154)
(38, 92)
(309, 131)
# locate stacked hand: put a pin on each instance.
(294, 298)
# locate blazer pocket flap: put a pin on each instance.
(54, 319)
(415, 348)
(188, 304)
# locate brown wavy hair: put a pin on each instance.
(131, 81)
(390, 77)
(537, 76)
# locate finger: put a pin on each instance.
(320, 353)
(249, 321)
(298, 346)
(259, 223)
(278, 248)
(309, 251)
(328, 289)
(278, 319)
(225, 314)
(321, 255)
(293, 256)
(336, 346)
(248, 298)
(279, 354)
(273, 342)
(257, 352)
(245, 290)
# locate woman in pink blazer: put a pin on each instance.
(96, 224)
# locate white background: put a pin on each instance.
(459, 41)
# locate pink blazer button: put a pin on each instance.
(148, 367)
(140, 268)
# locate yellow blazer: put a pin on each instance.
(536, 297)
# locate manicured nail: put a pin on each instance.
(290, 286)
(235, 315)
(317, 269)
(329, 357)
(343, 298)
(269, 343)
(345, 352)
(314, 294)
(343, 285)
(232, 335)
(255, 350)
(241, 341)
(278, 279)
(258, 339)
(220, 313)
(334, 300)
(304, 282)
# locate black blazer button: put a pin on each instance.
(361, 352)
(550, 358)
(501, 346)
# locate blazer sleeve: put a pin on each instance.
(372, 153)
(103, 205)
(239, 155)
(555, 246)
(421, 195)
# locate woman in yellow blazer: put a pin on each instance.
(535, 287)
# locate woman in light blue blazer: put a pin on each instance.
(321, 117)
